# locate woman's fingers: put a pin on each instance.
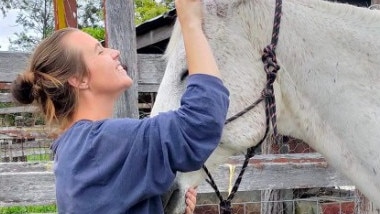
(191, 200)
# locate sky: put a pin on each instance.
(8, 27)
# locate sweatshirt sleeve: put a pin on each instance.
(190, 134)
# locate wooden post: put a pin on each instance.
(121, 35)
(65, 14)
(270, 196)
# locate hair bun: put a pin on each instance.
(22, 89)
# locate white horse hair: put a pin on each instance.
(375, 7)
(327, 90)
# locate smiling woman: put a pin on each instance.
(76, 82)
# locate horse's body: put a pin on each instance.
(327, 90)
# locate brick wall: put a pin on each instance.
(243, 202)
(249, 203)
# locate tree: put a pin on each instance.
(147, 9)
(37, 18)
(5, 5)
(90, 14)
(91, 18)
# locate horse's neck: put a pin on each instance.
(329, 54)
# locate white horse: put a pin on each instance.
(327, 90)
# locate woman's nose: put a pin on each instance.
(115, 54)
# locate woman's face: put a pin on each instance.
(106, 74)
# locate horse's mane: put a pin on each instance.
(174, 40)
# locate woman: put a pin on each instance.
(105, 165)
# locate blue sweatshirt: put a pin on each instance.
(124, 165)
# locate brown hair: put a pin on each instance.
(45, 82)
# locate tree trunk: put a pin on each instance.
(121, 35)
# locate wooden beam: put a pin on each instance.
(154, 36)
(151, 69)
(285, 171)
(5, 98)
(12, 63)
(65, 14)
(121, 35)
(18, 109)
(32, 184)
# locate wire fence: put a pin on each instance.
(23, 138)
(345, 202)
(25, 144)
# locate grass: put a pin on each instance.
(51, 208)
(38, 157)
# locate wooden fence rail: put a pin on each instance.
(33, 183)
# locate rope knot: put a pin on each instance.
(270, 61)
(267, 92)
(268, 54)
(271, 75)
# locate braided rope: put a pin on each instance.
(271, 68)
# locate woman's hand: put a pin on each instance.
(191, 200)
(189, 13)
(199, 56)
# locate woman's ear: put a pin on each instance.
(79, 83)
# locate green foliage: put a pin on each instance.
(90, 13)
(6, 105)
(147, 9)
(5, 5)
(39, 119)
(29, 209)
(7, 119)
(97, 33)
(38, 158)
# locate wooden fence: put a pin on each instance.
(25, 183)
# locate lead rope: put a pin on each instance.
(271, 68)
